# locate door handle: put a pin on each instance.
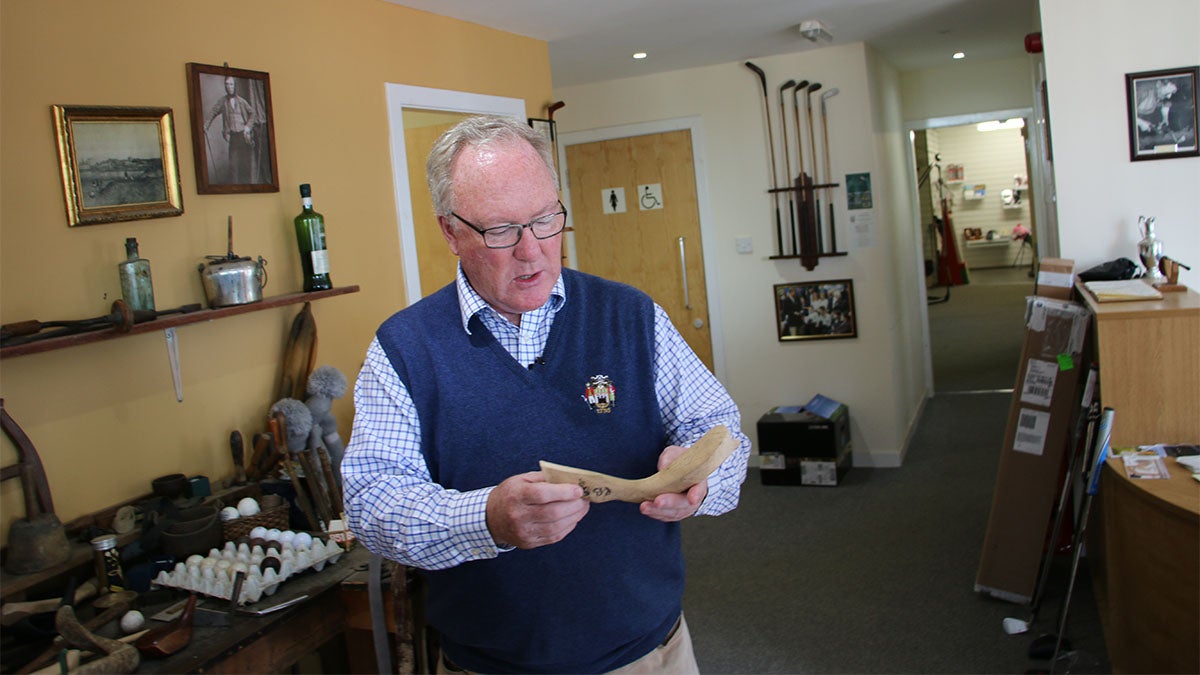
(687, 302)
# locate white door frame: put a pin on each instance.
(400, 96)
(915, 210)
(699, 168)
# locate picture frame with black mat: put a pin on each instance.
(1162, 113)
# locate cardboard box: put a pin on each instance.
(1055, 279)
(1045, 405)
(805, 445)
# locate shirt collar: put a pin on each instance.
(470, 303)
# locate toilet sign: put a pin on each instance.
(613, 200)
(650, 197)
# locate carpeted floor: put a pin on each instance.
(975, 336)
(877, 574)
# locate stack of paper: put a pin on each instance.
(1125, 289)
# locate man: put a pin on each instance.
(461, 394)
(237, 128)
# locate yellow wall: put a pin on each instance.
(104, 416)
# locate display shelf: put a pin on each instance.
(169, 321)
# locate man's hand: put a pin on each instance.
(527, 512)
(675, 506)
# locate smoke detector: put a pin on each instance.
(814, 30)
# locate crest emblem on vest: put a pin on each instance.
(600, 394)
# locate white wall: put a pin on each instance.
(1089, 47)
(966, 87)
(873, 373)
(990, 158)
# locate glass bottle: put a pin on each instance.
(108, 562)
(136, 286)
(310, 235)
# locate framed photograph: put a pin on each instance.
(816, 310)
(118, 163)
(1162, 113)
(233, 133)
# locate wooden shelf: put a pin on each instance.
(169, 321)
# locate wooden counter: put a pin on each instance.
(1149, 355)
(1148, 570)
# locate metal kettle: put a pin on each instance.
(233, 280)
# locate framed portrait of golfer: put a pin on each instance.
(1162, 113)
(233, 132)
(815, 310)
(117, 163)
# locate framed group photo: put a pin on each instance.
(817, 310)
(233, 132)
(117, 163)
(1162, 113)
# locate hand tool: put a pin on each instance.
(299, 356)
(13, 612)
(237, 451)
(121, 317)
(173, 357)
(111, 613)
(335, 490)
(278, 425)
(315, 489)
(693, 466)
(38, 541)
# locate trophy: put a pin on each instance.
(1150, 250)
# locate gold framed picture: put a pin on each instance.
(118, 163)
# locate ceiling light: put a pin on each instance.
(960, 55)
(996, 125)
(813, 30)
(640, 55)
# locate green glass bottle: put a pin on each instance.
(310, 235)
(136, 287)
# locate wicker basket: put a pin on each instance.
(273, 517)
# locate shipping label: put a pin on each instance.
(1038, 387)
(1032, 426)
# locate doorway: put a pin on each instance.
(417, 116)
(637, 215)
(980, 167)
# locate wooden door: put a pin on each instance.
(654, 244)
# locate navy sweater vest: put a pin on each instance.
(611, 590)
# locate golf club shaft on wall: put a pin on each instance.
(771, 164)
(812, 144)
(787, 163)
(828, 171)
(801, 197)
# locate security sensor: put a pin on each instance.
(813, 30)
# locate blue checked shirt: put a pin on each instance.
(394, 507)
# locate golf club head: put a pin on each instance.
(813, 87)
(1015, 626)
(787, 85)
(801, 84)
(826, 96)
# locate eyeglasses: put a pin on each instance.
(507, 236)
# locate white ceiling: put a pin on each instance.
(593, 40)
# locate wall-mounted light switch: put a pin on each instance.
(744, 245)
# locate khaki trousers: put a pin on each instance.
(675, 656)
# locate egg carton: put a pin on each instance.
(213, 575)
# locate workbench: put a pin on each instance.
(275, 642)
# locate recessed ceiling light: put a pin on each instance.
(960, 55)
(640, 55)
